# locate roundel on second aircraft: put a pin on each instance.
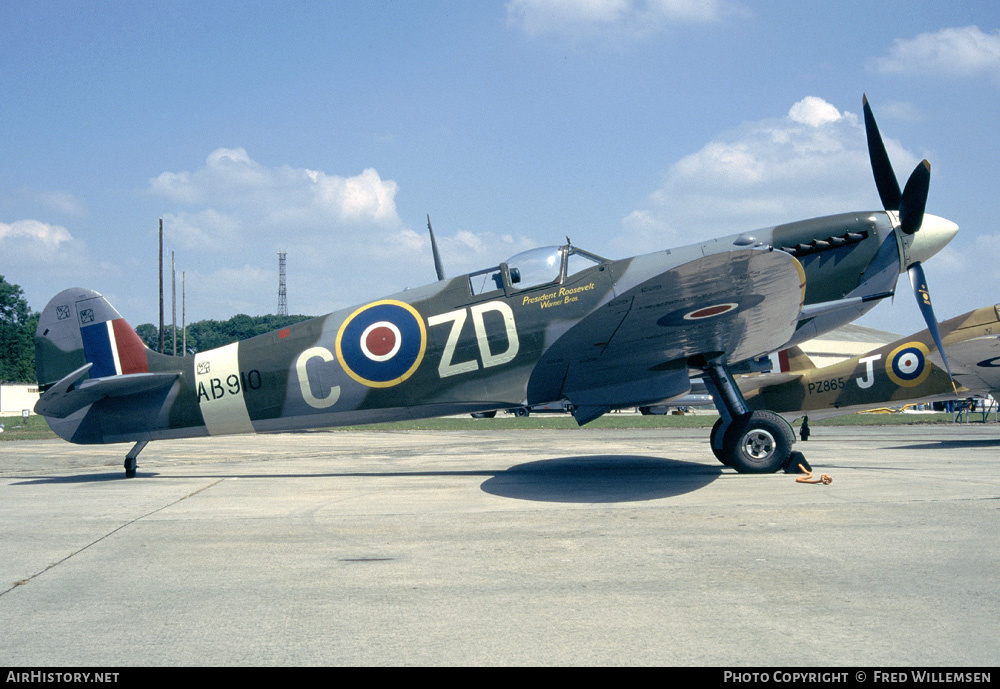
(907, 364)
(382, 344)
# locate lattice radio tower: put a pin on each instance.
(282, 296)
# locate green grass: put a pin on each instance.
(15, 428)
(563, 421)
(37, 429)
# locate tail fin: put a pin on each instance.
(79, 327)
(791, 360)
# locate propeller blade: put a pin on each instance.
(919, 283)
(914, 199)
(885, 178)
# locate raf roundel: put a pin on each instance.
(710, 311)
(907, 364)
(717, 315)
(382, 344)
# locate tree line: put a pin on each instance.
(209, 334)
(18, 323)
(17, 335)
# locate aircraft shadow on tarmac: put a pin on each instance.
(585, 479)
(951, 444)
(600, 479)
(111, 475)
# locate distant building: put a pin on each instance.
(845, 343)
(16, 397)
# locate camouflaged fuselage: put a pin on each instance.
(902, 372)
(600, 333)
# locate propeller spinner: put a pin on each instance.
(908, 207)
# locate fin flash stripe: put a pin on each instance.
(113, 348)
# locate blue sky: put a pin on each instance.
(330, 129)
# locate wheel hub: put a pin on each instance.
(758, 444)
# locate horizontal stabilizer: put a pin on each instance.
(66, 397)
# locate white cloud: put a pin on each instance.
(233, 198)
(36, 252)
(628, 17)
(343, 235)
(812, 162)
(813, 111)
(36, 244)
(953, 52)
(230, 178)
(33, 232)
(365, 196)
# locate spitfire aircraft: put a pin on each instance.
(906, 371)
(554, 323)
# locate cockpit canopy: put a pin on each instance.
(534, 268)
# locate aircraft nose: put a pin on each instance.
(934, 234)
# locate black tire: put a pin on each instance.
(483, 414)
(521, 411)
(720, 453)
(759, 442)
(130, 465)
(645, 411)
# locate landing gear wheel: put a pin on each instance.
(758, 442)
(483, 414)
(521, 411)
(130, 465)
(719, 452)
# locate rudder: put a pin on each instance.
(79, 326)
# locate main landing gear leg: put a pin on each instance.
(130, 458)
(752, 442)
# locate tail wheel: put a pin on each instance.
(759, 442)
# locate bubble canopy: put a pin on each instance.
(533, 268)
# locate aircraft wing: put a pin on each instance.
(69, 395)
(972, 343)
(732, 306)
(637, 347)
(975, 363)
